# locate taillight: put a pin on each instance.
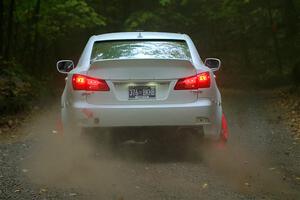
(81, 82)
(201, 80)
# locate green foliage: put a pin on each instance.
(16, 87)
(37, 27)
(165, 2)
(60, 17)
(165, 18)
(169, 2)
(145, 19)
(250, 36)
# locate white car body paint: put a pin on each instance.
(171, 107)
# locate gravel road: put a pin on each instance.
(260, 161)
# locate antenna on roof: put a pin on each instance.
(140, 35)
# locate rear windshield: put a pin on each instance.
(141, 49)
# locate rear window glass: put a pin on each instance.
(141, 49)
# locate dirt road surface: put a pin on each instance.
(260, 161)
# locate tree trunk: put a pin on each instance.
(274, 37)
(36, 31)
(9, 29)
(1, 27)
(291, 18)
(244, 44)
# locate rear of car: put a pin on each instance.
(142, 79)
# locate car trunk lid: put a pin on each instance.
(155, 76)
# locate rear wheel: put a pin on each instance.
(69, 130)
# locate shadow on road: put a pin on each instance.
(156, 145)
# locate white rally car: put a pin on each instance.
(142, 79)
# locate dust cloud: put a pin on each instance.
(96, 164)
(245, 171)
(69, 160)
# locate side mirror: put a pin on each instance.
(213, 63)
(64, 66)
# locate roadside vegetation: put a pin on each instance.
(289, 103)
(258, 41)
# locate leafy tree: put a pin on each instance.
(250, 36)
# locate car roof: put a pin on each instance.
(139, 35)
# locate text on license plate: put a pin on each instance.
(137, 92)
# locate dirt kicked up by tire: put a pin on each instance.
(259, 161)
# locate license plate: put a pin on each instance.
(141, 92)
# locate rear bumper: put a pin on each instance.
(200, 113)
